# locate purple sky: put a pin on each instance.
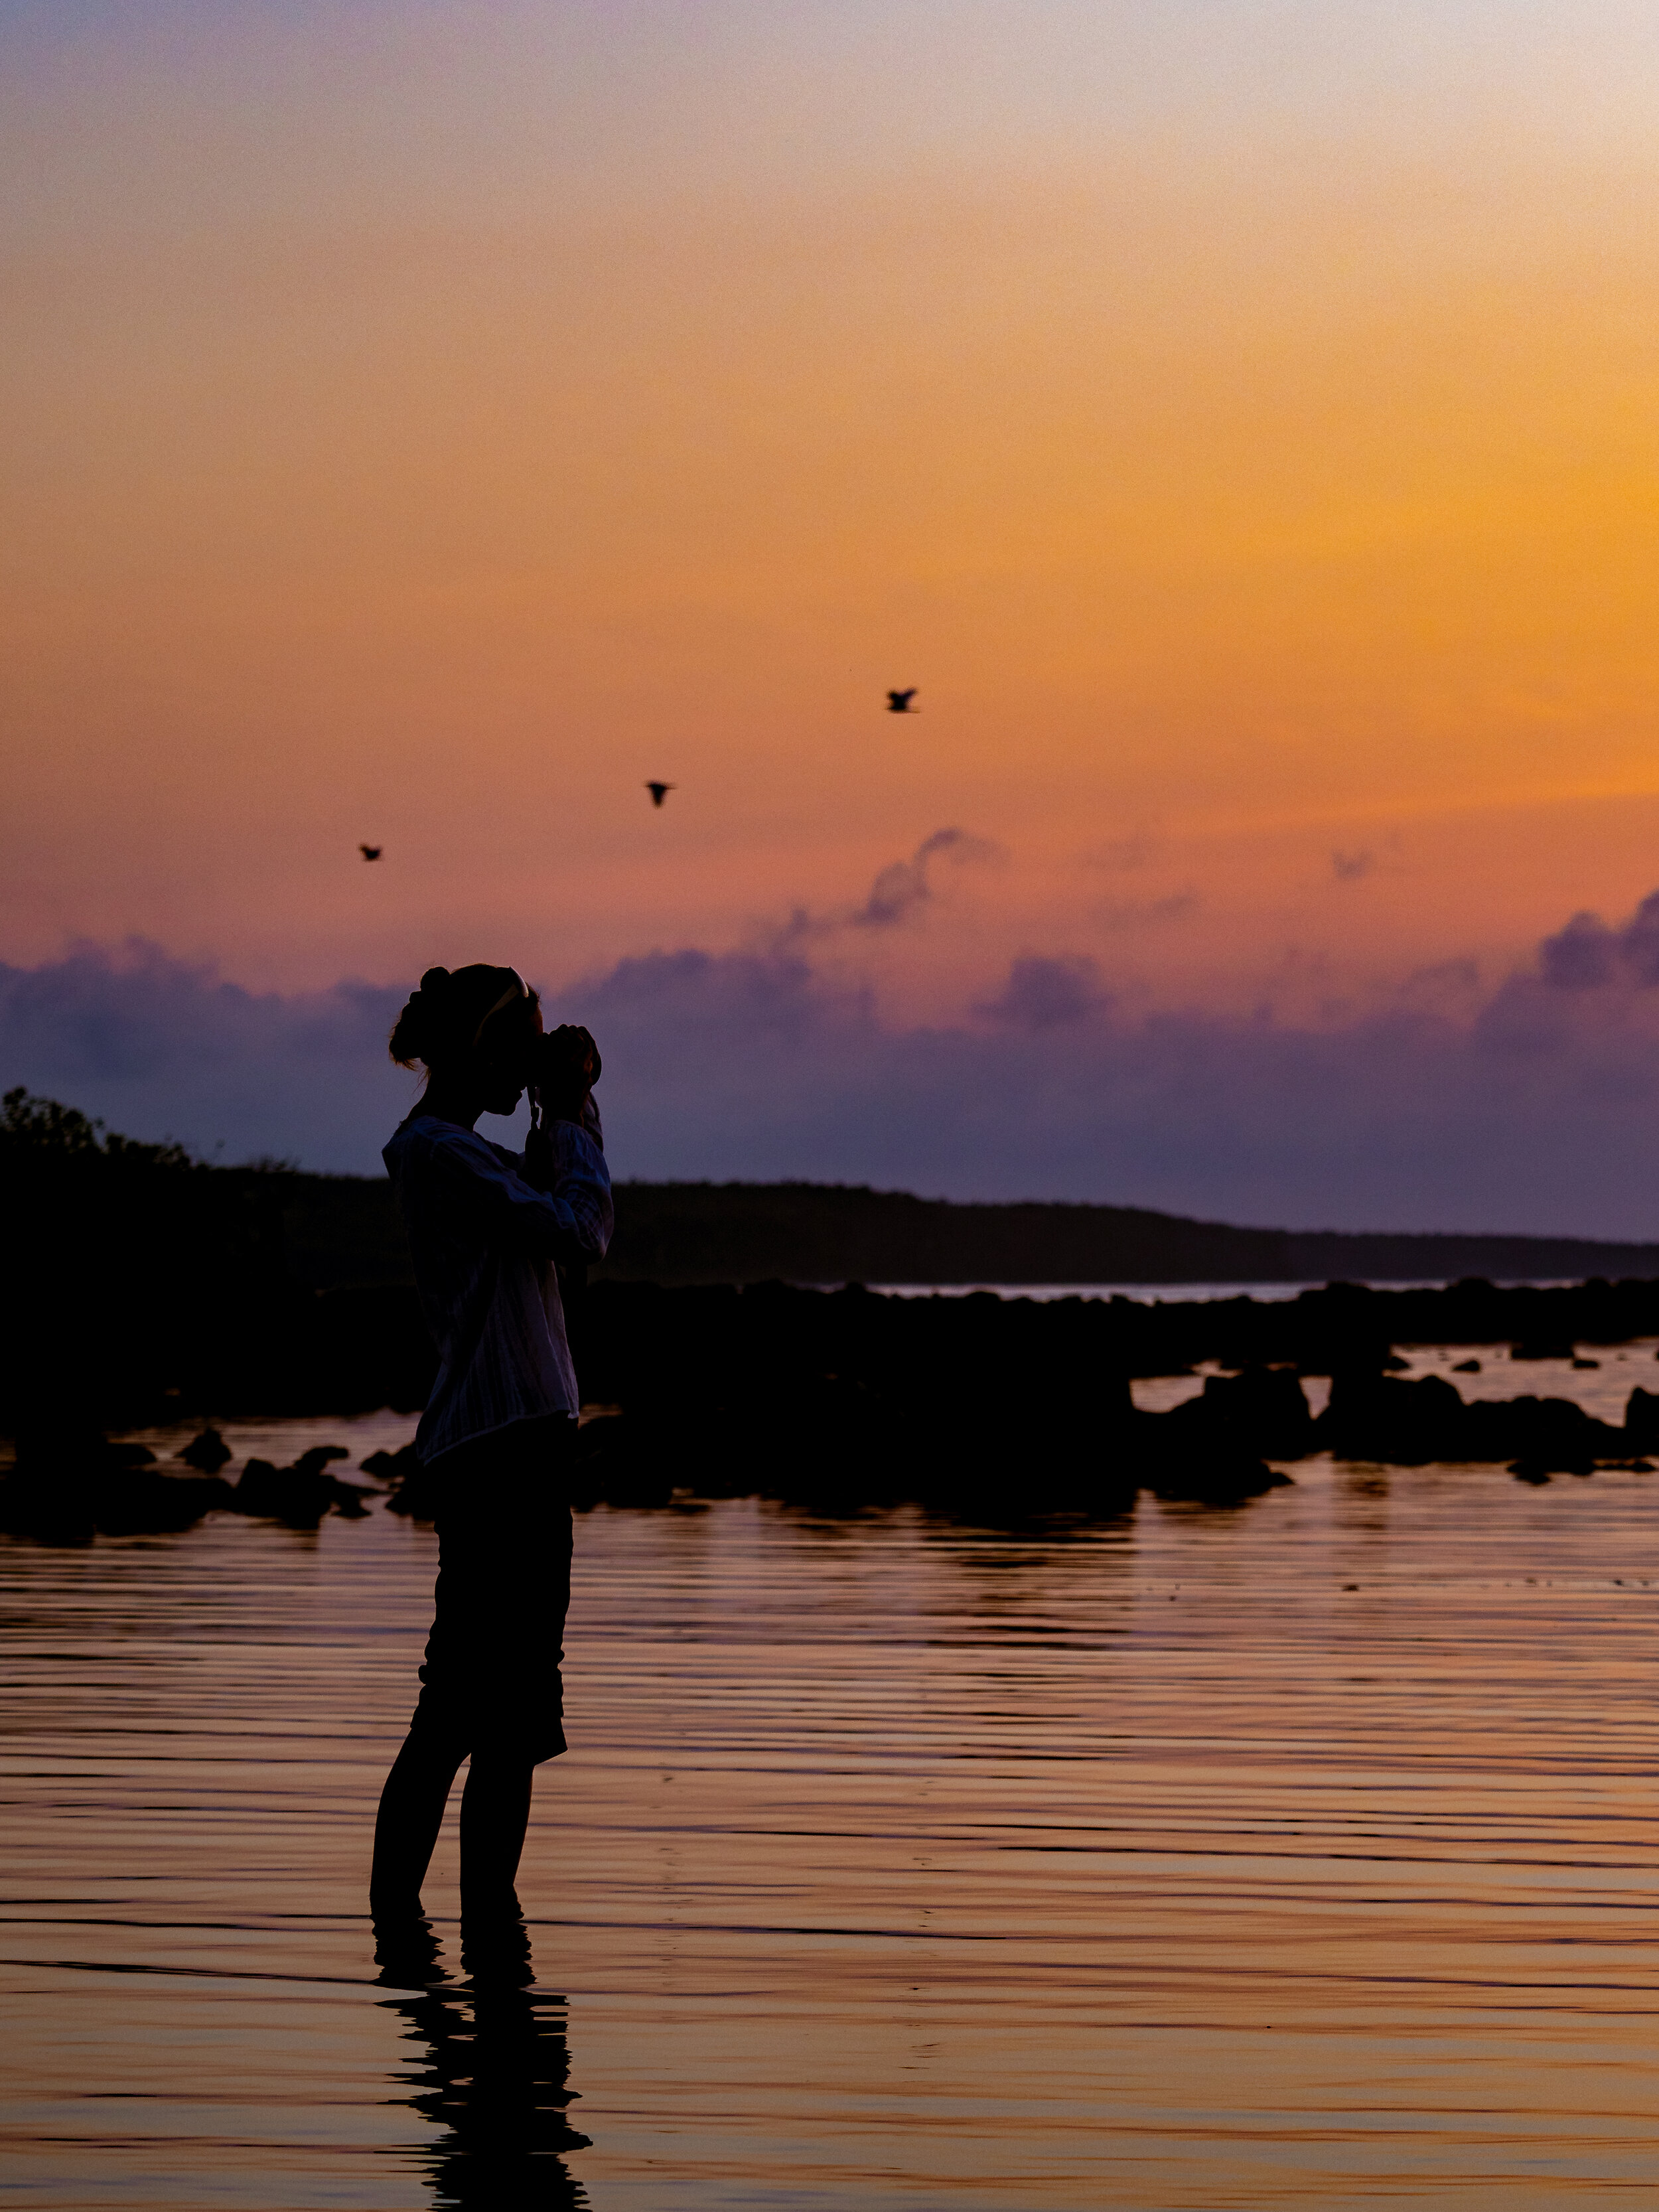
(1525, 1106)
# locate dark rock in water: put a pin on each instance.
(1642, 1419)
(1467, 1367)
(1582, 1364)
(259, 1489)
(299, 1495)
(55, 1505)
(319, 1456)
(1349, 1355)
(1556, 1430)
(1262, 1411)
(412, 1489)
(1219, 1479)
(828, 1447)
(70, 1483)
(208, 1452)
(1538, 1467)
(417, 1496)
(1541, 1348)
(630, 1460)
(153, 1504)
(1396, 1423)
(1410, 1423)
(391, 1467)
(415, 1492)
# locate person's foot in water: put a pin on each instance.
(406, 1951)
(495, 1947)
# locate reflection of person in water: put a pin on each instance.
(492, 2072)
(487, 1228)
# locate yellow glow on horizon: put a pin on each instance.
(1299, 491)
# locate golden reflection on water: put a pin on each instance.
(1298, 1854)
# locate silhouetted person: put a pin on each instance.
(659, 792)
(486, 1228)
(370, 852)
(898, 702)
(494, 2067)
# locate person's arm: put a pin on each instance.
(566, 1159)
(569, 1219)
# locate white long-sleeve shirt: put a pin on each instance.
(484, 1242)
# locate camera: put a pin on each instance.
(563, 1066)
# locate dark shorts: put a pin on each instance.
(491, 1678)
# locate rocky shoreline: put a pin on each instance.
(987, 1411)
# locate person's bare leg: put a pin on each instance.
(494, 1813)
(406, 1827)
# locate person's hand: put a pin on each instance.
(569, 1067)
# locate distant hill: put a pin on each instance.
(344, 1229)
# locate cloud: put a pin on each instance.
(1530, 1106)
(161, 1047)
(898, 891)
(1352, 867)
(1580, 957)
(1522, 1108)
(1140, 913)
(1451, 987)
(1587, 956)
(1042, 994)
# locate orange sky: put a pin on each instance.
(423, 425)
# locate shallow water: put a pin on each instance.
(1299, 1855)
(1178, 1293)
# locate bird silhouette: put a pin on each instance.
(369, 852)
(659, 792)
(898, 702)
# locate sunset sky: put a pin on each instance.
(423, 423)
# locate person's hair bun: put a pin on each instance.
(449, 1011)
(417, 1027)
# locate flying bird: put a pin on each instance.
(659, 792)
(898, 702)
(369, 852)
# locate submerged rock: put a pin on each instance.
(390, 1466)
(299, 1495)
(1262, 1411)
(69, 1485)
(1642, 1419)
(208, 1452)
(154, 1504)
(1401, 1424)
(1222, 1477)
(621, 1460)
(417, 1494)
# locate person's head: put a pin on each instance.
(471, 1031)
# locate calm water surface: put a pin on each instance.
(1306, 1855)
